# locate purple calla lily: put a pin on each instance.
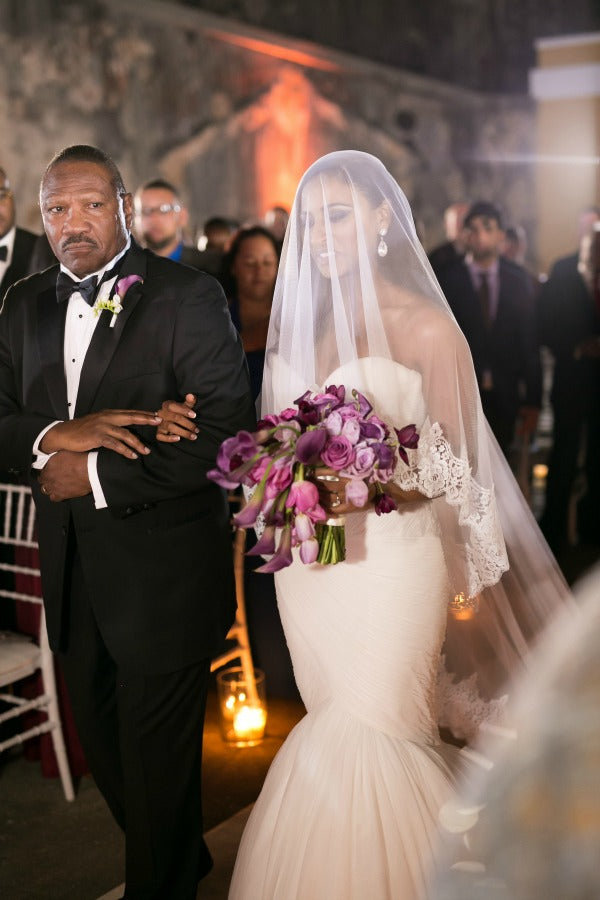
(123, 284)
(283, 556)
(309, 445)
(265, 545)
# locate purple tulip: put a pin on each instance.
(357, 492)
(408, 436)
(123, 284)
(283, 556)
(309, 551)
(309, 445)
(303, 527)
(384, 504)
(265, 545)
(303, 496)
(279, 478)
(338, 453)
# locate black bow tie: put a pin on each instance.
(65, 286)
(3, 253)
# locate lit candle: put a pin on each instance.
(249, 723)
(464, 608)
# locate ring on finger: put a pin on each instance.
(336, 501)
(44, 490)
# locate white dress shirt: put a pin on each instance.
(80, 323)
(7, 241)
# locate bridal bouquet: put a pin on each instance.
(278, 460)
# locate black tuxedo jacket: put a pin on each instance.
(567, 316)
(510, 349)
(23, 247)
(157, 561)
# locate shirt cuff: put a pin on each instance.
(92, 467)
(42, 458)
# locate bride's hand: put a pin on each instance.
(177, 420)
(332, 492)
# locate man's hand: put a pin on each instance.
(102, 429)
(64, 476)
(177, 420)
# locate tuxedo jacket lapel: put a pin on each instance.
(106, 339)
(51, 336)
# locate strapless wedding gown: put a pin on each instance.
(349, 808)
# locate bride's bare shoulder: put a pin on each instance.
(420, 320)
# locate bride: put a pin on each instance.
(429, 615)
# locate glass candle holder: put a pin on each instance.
(242, 706)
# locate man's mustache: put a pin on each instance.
(78, 239)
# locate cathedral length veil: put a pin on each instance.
(355, 282)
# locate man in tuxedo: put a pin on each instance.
(493, 304)
(569, 320)
(16, 244)
(135, 545)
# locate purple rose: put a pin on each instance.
(357, 492)
(374, 428)
(364, 460)
(334, 422)
(338, 453)
(351, 430)
(384, 455)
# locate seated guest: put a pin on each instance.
(160, 221)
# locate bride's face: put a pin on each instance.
(329, 204)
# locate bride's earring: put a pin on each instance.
(382, 247)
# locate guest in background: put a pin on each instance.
(276, 219)
(569, 321)
(214, 242)
(251, 268)
(160, 222)
(16, 244)
(493, 304)
(454, 247)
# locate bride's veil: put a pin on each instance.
(355, 282)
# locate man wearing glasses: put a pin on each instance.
(16, 244)
(160, 221)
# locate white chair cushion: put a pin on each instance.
(18, 655)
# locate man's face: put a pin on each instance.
(159, 219)
(7, 206)
(86, 221)
(484, 239)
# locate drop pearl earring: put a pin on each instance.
(382, 247)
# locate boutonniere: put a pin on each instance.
(114, 304)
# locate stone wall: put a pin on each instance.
(234, 115)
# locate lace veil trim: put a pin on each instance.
(436, 472)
